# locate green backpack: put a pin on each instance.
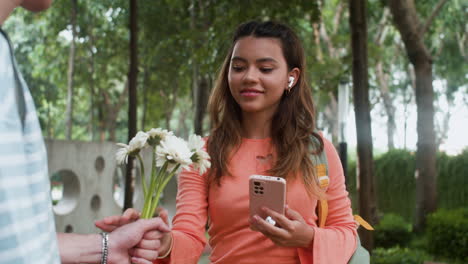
(361, 255)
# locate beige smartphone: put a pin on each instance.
(266, 191)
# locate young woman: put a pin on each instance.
(263, 123)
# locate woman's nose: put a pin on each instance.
(251, 75)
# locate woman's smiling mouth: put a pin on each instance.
(250, 92)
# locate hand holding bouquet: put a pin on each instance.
(169, 155)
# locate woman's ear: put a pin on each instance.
(293, 77)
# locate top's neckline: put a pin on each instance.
(256, 139)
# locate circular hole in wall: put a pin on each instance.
(99, 164)
(65, 191)
(95, 203)
(68, 229)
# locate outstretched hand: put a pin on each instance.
(108, 224)
(149, 244)
(292, 230)
(124, 238)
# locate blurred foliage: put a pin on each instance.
(444, 241)
(447, 233)
(394, 172)
(177, 36)
(398, 255)
(392, 230)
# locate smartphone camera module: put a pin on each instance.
(258, 188)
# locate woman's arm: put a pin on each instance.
(339, 232)
(188, 231)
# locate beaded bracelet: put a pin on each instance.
(104, 251)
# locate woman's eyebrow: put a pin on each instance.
(237, 58)
(267, 59)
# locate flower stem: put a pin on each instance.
(147, 212)
(160, 188)
(143, 176)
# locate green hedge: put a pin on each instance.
(452, 180)
(391, 231)
(447, 232)
(397, 255)
(394, 172)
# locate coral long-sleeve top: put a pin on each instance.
(226, 208)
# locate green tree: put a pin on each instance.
(367, 196)
(412, 30)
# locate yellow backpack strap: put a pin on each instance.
(321, 172)
(322, 212)
(363, 222)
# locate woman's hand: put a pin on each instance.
(293, 231)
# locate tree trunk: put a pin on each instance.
(406, 20)
(132, 102)
(109, 112)
(331, 117)
(444, 125)
(145, 91)
(196, 80)
(426, 192)
(383, 81)
(92, 119)
(407, 99)
(182, 127)
(70, 73)
(367, 197)
(101, 122)
(92, 91)
(201, 104)
(172, 104)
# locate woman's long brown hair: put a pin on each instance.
(293, 132)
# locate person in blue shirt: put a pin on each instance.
(27, 228)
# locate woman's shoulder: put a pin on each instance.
(318, 135)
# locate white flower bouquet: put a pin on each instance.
(170, 154)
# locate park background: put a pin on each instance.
(101, 70)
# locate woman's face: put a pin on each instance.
(258, 74)
(36, 5)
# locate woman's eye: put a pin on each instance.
(266, 70)
(237, 68)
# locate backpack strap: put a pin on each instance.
(321, 172)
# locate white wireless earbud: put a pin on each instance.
(291, 81)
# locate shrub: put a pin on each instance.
(447, 232)
(397, 255)
(396, 185)
(392, 231)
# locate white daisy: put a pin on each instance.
(201, 161)
(156, 135)
(196, 143)
(122, 153)
(138, 142)
(175, 151)
(200, 158)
